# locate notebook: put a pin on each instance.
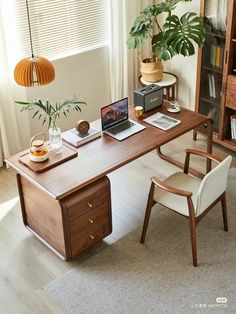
(115, 120)
(162, 121)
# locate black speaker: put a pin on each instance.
(149, 97)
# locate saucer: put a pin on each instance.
(173, 109)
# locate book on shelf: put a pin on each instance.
(214, 85)
(233, 126)
(210, 85)
(217, 56)
(76, 139)
(212, 55)
(162, 121)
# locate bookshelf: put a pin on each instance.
(216, 73)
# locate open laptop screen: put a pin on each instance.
(114, 113)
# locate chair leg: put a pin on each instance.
(193, 241)
(224, 211)
(192, 224)
(148, 212)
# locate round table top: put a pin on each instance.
(167, 80)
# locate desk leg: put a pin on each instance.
(180, 165)
(209, 143)
(177, 163)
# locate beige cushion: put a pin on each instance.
(178, 203)
(213, 185)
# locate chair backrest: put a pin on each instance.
(213, 185)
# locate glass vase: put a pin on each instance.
(55, 139)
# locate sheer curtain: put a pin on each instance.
(14, 126)
(124, 63)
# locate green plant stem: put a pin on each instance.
(158, 25)
(54, 125)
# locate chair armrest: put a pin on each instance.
(169, 188)
(198, 153)
(203, 154)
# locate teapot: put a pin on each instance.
(38, 148)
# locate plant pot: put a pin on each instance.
(151, 70)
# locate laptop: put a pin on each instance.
(115, 120)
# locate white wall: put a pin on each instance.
(185, 67)
(85, 75)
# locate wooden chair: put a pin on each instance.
(190, 196)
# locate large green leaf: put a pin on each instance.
(180, 33)
(139, 32)
(143, 25)
(170, 5)
(161, 48)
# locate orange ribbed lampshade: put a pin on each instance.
(34, 71)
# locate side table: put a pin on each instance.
(169, 82)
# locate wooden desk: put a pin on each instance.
(69, 207)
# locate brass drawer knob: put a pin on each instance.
(91, 221)
(90, 205)
(91, 237)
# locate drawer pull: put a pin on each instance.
(90, 205)
(91, 221)
(91, 237)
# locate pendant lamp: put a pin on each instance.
(33, 71)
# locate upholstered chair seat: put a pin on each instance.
(176, 202)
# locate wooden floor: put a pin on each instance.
(26, 265)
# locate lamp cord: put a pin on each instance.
(31, 42)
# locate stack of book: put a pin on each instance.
(76, 139)
(233, 126)
(217, 56)
(214, 85)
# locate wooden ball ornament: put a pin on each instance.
(82, 127)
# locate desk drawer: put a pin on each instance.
(231, 92)
(89, 229)
(88, 199)
(231, 99)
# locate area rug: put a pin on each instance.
(158, 277)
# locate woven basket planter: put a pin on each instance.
(151, 70)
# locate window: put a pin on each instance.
(62, 27)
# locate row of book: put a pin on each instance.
(217, 56)
(233, 126)
(214, 85)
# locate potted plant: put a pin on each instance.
(48, 113)
(174, 37)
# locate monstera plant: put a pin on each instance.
(174, 36)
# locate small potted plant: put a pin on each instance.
(48, 113)
(174, 37)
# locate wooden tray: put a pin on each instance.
(53, 160)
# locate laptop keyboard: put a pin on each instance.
(122, 127)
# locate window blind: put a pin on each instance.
(62, 27)
(211, 8)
